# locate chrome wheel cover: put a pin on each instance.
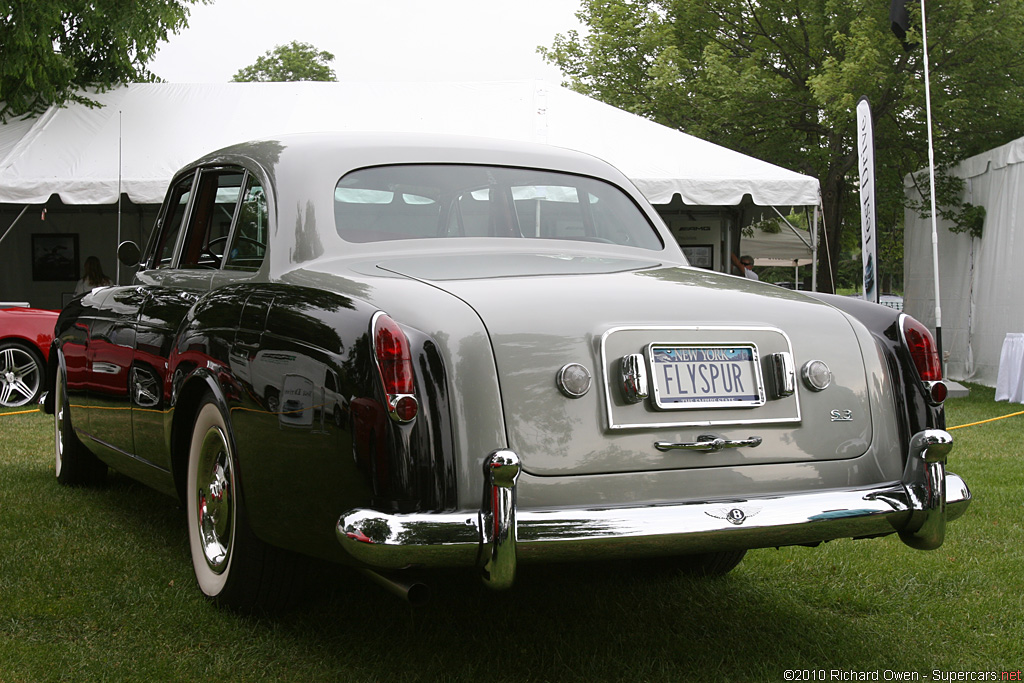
(214, 500)
(20, 377)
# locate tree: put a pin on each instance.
(50, 50)
(780, 79)
(293, 62)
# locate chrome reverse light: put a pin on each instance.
(816, 375)
(573, 380)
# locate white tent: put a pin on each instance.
(145, 132)
(979, 290)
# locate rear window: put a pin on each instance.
(435, 200)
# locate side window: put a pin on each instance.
(217, 195)
(174, 214)
(249, 242)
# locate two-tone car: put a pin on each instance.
(405, 352)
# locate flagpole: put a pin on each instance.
(931, 187)
(117, 261)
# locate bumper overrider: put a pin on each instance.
(498, 535)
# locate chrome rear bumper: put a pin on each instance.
(497, 537)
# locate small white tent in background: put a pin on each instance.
(980, 278)
(143, 133)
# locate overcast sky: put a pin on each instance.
(394, 40)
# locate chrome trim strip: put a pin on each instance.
(609, 405)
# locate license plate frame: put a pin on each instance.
(708, 375)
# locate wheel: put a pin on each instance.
(233, 568)
(74, 463)
(273, 400)
(21, 374)
(711, 564)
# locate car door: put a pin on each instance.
(174, 283)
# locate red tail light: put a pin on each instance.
(394, 359)
(922, 349)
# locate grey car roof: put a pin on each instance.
(359, 149)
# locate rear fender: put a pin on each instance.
(914, 411)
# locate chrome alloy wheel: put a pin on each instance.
(20, 376)
(215, 500)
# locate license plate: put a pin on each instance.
(705, 376)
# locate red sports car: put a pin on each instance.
(25, 336)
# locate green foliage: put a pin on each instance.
(949, 189)
(50, 50)
(292, 62)
(779, 80)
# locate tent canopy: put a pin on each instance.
(145, 132)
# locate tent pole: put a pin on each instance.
(790, 226)
(814, 251)
(117, 261)
(8, 231)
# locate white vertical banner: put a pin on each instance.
(866, 157)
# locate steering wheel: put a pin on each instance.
(208, 250)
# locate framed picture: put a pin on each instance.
(55, 257)
(699, 255)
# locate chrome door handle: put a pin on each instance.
(708, 443)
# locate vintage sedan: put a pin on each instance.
(412, 352)
(26, 335)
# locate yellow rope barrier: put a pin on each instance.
(21, 412)
(981, 422)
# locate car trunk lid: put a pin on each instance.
(710, 345)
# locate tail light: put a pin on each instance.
(394, 361)
(925, 354)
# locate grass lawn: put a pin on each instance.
(96, 585)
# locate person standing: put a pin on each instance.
(93, 276)
(746, 266)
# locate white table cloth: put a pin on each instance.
(1010, 380)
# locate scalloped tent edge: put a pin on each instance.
(145, 132)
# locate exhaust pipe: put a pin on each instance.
(416, 593)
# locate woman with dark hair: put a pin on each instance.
(93, 277)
